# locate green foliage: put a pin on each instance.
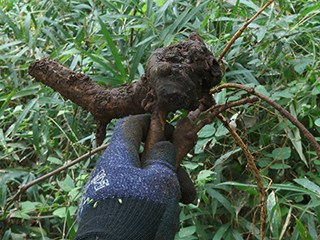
(110, 41)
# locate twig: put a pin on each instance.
(285, 141)
(263, 213)
(156, 131)
(217, 109)
(238, 33)
(24, 187)
(216, 112)
(282, 111)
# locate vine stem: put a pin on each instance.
(216, 113)
(239, 32)
(217, 109)
(282, 111)
(263, 211)
(24, 187)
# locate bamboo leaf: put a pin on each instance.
(11, 24)
(308, 185)
(5, 104)
(24, 113)
(102, 62)
(215, 194)
(303, 231)
(113, 49)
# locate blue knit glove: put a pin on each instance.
(124, 200)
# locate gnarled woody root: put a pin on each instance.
(103, 103)
(177, 77)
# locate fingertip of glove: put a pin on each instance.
(162, 151)
(132, 124)
(187, 188)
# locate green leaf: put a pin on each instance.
(221, 131)
(280, 166)
(136, 59)
(227, 155)
(168, 39)
(309, 10)
(250, 4)
(187, 231)
(303, 231)
(55, 160)
(312, 226)
(22, 93)
(295, 137)
(316, 122)
(200, 229)
(207, 131)
(29, 206)
(273, 186)
(284, 154)
(200, 145)
(204, 175)
(161, 11)
(261, 89)
(147, 40)
(215, 194)
(272, 213)
(67, 184)
(27, 27)
(50, 100)
(282, 94)
(71, 227)
(246, 187)
(20, 214)
(113, 49)
(300, 64)
(60, 212)
(308, 185)
(5, 104)
(204, 22)
(261, 32)
(101, 61)
(14, 43)
(7, 235)
(3, 193)
(316, 90)
(11, 24)
(219, 234)
(24, 113)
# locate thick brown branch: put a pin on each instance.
(283, 112)
(239, 32)
(104, 104)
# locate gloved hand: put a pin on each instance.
(124, 200)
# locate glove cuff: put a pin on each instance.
(122, 218)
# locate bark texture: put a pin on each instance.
(177, 77)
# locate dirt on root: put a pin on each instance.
(181, 74)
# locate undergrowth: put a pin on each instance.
(110, 41)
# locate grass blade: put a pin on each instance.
(5, 104)
(24, 113)
(303, 231)
(11, 24)
(113, 49)
(100, 61)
